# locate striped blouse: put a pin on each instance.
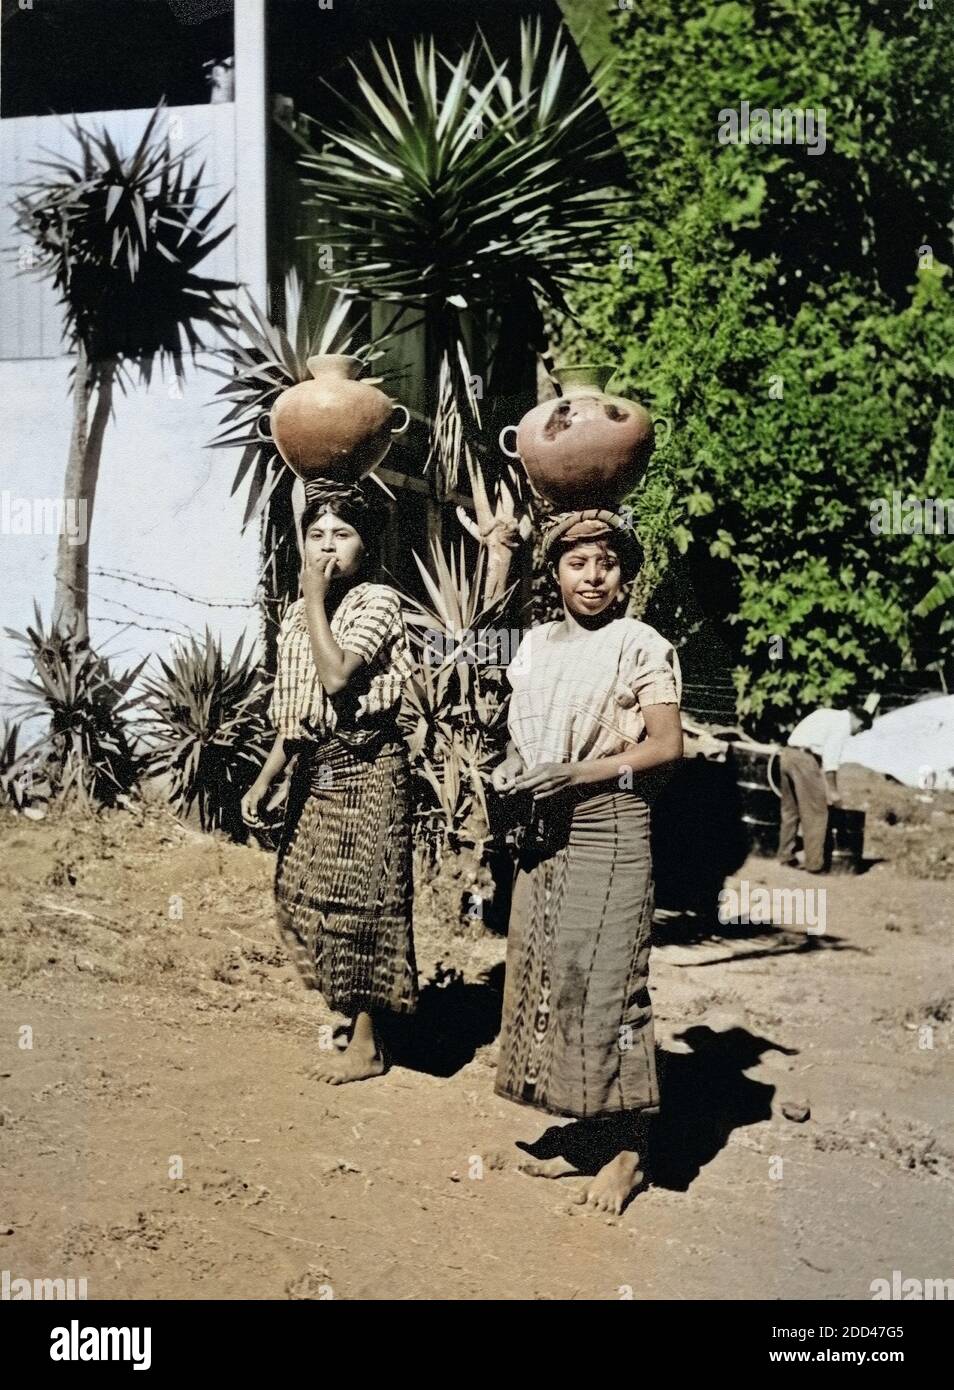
(369, 622)
(583, 697)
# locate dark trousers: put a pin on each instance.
(805, 800)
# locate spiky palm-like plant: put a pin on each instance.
(454, 703)
(88, 747)
(12, 789)
(120, 237)
(264, 359)
(468, 199)
(205, 728)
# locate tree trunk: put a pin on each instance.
(71, 598)
(281, 556)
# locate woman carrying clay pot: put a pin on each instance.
(343, 878)
(594, 717)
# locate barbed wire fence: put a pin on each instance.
(154, 584)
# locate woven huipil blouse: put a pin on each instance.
(368, 621)
(583, 697)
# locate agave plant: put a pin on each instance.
(206, 729)
(451, 756)
(87, 747)
(468, 200)
(263, 363)
(453, 708)
(120, 237)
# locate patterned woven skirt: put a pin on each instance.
(343, 883)
(577, 1036)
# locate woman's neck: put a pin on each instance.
(574, 626)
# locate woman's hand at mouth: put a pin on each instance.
(316, 576)
(547, 779)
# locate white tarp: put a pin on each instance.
(914, 744)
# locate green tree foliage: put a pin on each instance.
(781, 308)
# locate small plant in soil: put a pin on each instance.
(88, 748)
(206, 729)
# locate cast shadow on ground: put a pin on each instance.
(452, 1021)
(705, 1092)
(705, 1096)
(769, 939)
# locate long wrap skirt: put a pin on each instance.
(343, 882)
(577, 1036)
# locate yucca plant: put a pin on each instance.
(264, 359)
(468, 200)
(88, 747)
(205, 728)
(120, 237)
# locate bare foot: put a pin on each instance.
(613, 1185)
(546, 1167)
(353, 1064)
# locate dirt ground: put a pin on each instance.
(163, 1137)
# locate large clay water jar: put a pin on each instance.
(334, 426)
(585, 448)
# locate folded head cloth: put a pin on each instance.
(592, 524)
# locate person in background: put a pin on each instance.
(809, 778)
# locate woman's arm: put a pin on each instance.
(335, 666)
(274, 763)
(504, 774)
(271, 767)
(662, 744)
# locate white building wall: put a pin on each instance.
(164, 510)
(31, 321)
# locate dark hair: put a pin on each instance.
(359, 505)
(623, 543)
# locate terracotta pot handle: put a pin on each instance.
(511, 453)
(399, 429)
(263, 426)
(661, 420)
